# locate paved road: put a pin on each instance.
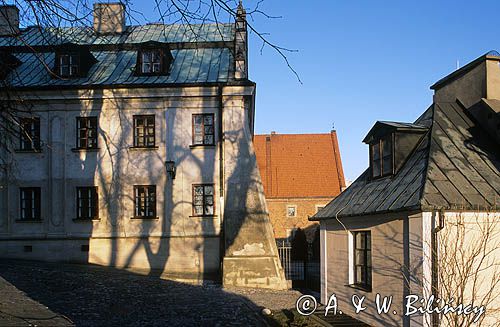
(17, 309)
(98, 296)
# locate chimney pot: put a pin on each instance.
(109, 18)
(9, 20)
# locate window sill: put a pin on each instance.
(27, 151)
(143, 148)
(85, 220)
(366, 288)
(146, 218)
(29, 220)
(85, 149)
(202, 146)
(203, 216)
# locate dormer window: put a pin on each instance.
(391, 144)
(382, 157)
(151, 61)
(69, 65)
(72, 61)
(8, 62)
(153, 58)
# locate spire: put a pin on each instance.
(241, 47)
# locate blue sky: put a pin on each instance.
(360, 61)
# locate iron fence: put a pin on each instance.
(302, 273)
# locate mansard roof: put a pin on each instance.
(201, 54)
(455, 166)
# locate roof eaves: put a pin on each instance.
(394, 126)
(412, 209)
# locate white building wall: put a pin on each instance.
(172, 242)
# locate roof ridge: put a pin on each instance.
(426, 169)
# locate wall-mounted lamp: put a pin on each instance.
(170, 165)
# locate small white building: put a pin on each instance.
(424, 218)
(134, 149)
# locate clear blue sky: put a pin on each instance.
(360, 61)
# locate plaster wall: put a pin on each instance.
(396, 265)
(469, 88)
(175, 241)
(469, 253)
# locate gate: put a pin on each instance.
(300, 262)
(294, 269)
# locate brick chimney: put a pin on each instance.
(109, 18)
(241, 44)
(9, 20)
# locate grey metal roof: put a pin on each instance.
(173, 33)
(117, 67)
(380, 126)
(402, 125)
(456, 166)
(210, 63)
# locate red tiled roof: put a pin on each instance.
(300, 165)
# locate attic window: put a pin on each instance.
(73, 61)
(382, 157)
(153, 59)
(8, 62)
(69, 64)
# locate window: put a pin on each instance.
(86, 132)
(291, 211)
(151, 61)
(381, 153)
(362, 259)
(68, 64)
(145, 201)
(203, 129)
(30, 203)
(87, 203)
(144, 131)
(203, 200)
(30, 134)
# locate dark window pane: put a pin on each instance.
(87, 202)
(387, 166)
(144, 131)
(30, 206)
(362, 258)
(86, 132)
(29, 133)
(203, 200)
(145, 201)
(203, 129)
(376, 151)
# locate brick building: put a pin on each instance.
(301, 173)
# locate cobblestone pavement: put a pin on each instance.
(98, 296)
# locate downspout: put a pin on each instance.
(222, 243)
(434, 260)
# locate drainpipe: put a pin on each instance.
(222, 243)
(434, 259)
